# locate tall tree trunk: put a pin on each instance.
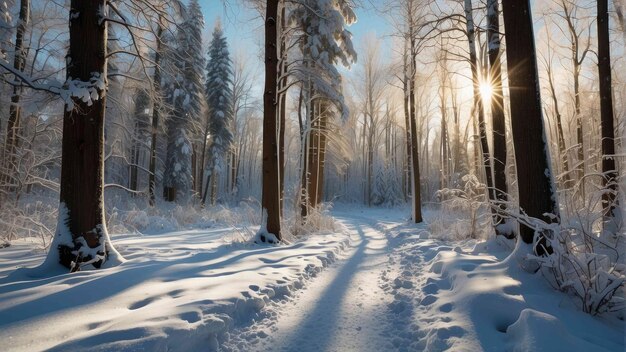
(478, 101)
(156, 111)
(82, 173)
(536, 191)
(443, 145)
(445, 172)
(567, 182)
(134, 155)
(15, 110)
(577, 59)
(497, 110)
(315, 155)
(407, 118)
(203, 162)
(415, 162)
(271, 170)
(606, 110)
(311, 170)
(282, 98)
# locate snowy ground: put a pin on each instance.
(378, 285)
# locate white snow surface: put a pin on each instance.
(380, 284)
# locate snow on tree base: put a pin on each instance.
(265, 237)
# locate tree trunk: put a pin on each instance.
(321, 162)
(82, 173)
(609, 198)
(203, 163)
(407, 118)
(478, 101)
(156, 83)
(282, 86)
(497, 111)
(271, 170)
(15, 110)
(577, 61)
(134, 158)
(310, 171)
(567, 183)
(536, 191)
(415, 162)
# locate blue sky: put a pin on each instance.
(243, 26)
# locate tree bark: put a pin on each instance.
(271, 170)
(282, 86)
(567, 183)
(415, 162)
(15, 110)
(536, 190)
(577, 60)
(478, 101)
(609, 198)
(82, 172)
(497, 110)
(156, 83)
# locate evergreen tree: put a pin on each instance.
(219, 95)
(325, 43)
(186, 95)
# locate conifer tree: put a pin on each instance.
(186, 96)
(219, 95)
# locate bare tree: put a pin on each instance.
(579, 48)
(15, 111)
(562, 148)
(497, 109)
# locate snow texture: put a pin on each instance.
(386, 287)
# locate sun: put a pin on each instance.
(486, 91)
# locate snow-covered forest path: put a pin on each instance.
(350, 306)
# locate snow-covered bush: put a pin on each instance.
(317, 220)
(587, 257)
(463, 214)
(35, 220)
(134, 217)
(585, 271)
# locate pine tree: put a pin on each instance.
(186, 98)
(325, 43)
(219, 95)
